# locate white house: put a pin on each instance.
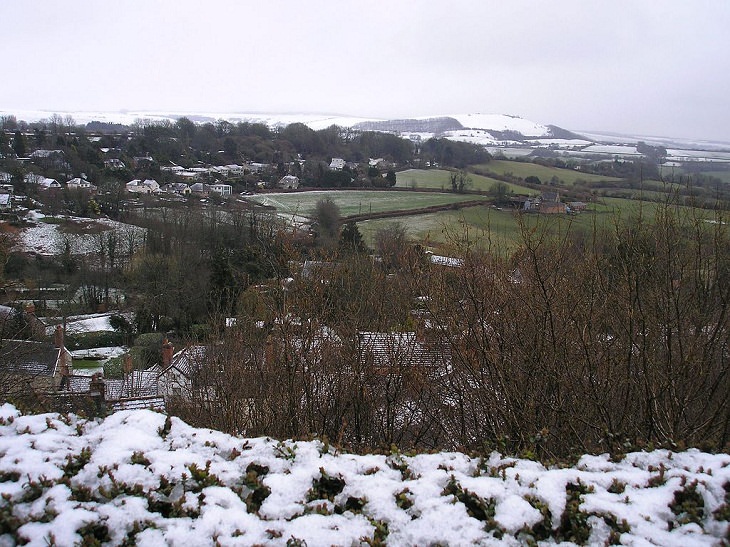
(234, 170)
(6, 202)
(289, 182)
(148, 186)
(177, 188)
(337, 164)
(176, 378)
(48, 184)
(32, 178)
(114, 163)
(223, 190)
(256, 167)
(172, 168)
(80, 184)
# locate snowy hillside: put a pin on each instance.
(139, 478)
(494, 122)
(486, 128)
(126, 117)
(501, 122)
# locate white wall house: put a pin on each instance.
(80, 184)
(148, 186)
(289, 182)
(223, 190)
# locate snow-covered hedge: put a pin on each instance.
(141, 478)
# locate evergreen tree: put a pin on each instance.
(19, 144)
(351, 238)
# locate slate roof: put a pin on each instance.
(25, 357)
(155, 403)
(188, 361)
(141, 383)
(387, 349)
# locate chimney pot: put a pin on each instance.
(58, 337)
(168, 351)
(128, 367)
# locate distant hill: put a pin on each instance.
(560, 133)
(496, 127)
(412, 125)
(486, 129)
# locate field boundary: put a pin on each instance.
(414, 212)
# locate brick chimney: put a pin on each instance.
(168, 351)
(128, 367)
(58, 337)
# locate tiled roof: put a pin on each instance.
(141, 383)
(155, 403)
(25, 357)
(386, 349)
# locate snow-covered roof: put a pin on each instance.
(80, 183)
(45, 153)
(188, 361)
(447, 261)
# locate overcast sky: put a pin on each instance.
(650, 67)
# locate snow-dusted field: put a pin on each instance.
(136, 478)
(618, 150)
(47, 239)
(77, 324)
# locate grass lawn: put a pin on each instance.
(499, 230)
(452, 231)
(724, 176)
(524, 169)
(353, 202)
(438, 179)
(86, 363)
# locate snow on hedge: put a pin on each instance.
(138, 477)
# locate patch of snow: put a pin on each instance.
(618, 150)
(102, 354)
(502, 122)
(77, 324)
(142, 477)
(46, 239)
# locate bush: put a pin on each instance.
(89, 340)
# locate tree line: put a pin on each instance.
(601, 342)
(294, 149)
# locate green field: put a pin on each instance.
(354, 202)
(438, 179)
(523, 170)
(721, 171)
(499, 230)
(724, 176)
(448, 229)
(486, 227)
